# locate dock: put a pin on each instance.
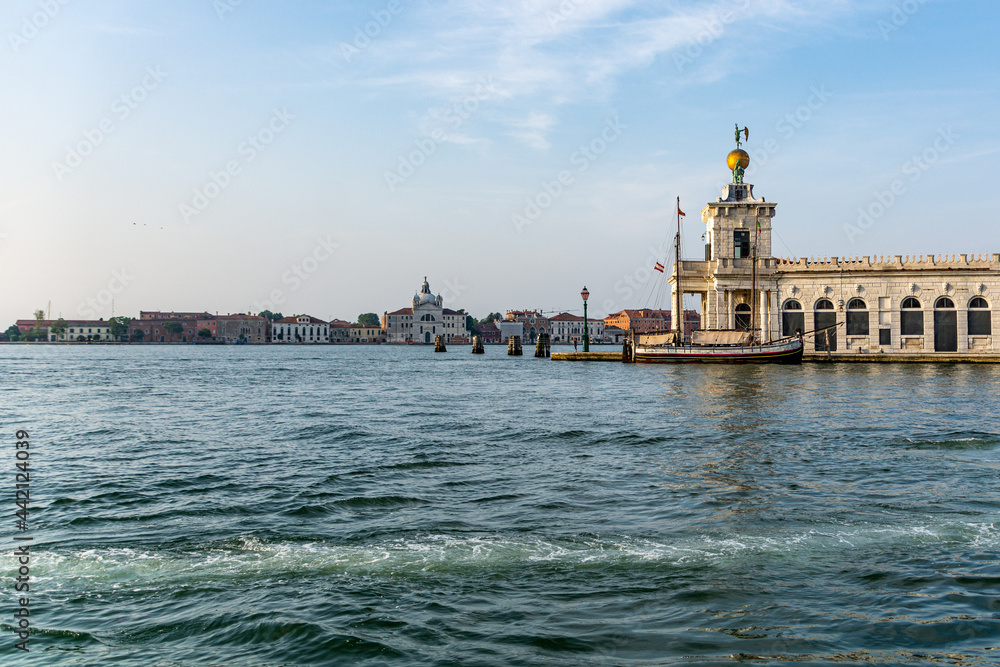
(587, 356)
(824, 357)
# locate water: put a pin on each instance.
(392, 506)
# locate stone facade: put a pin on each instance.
(300, 329)
(426, 319)
(238, 329)
(896, 304)
(566, 327)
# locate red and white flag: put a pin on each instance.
(658, 267)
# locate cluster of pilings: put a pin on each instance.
(477, 345)
(514, 347)
(542, 347)
(439, 344)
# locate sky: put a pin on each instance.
(323, 157)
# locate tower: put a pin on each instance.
(735, 224)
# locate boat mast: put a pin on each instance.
(679, 315)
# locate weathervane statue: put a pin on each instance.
(738, 160)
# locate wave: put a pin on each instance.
(251, 557)
(956, 441)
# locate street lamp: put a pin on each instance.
(586, 337)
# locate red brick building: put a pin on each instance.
(648, 319)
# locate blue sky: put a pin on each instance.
(323, 157)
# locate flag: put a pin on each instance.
(758, 226)
(658, 267)
(680, 212)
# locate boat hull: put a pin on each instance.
(789, 352)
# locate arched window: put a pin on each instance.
(743, 316)
(792, 318)
(911, 318)
(857, 318)
(825, 324)
(979, 317)
(945, 326)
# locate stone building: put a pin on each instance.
(887, 304)
(534, 322)
(300, 329)
(76, 330)
(239, 329)
(566, 327)
(424, 320)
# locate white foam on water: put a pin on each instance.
(251, 558)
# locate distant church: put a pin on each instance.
(426, 319)
(891, 304)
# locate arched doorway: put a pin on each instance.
(792, 318)
(945, 326)
(743, 317)
(825, 316)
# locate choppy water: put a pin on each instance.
(392, 506)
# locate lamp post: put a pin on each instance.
(586, 336)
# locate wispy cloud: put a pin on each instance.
(533, 129)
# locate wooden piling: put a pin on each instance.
(514, 347)
(477, 345)
(439, 344)
(542, 347)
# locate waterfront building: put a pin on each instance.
(566, 327)
(424, 320)
(76, 330)
(172, 316)
(154, 330)
(615, 335)
(489, 332)
(300, 329)
(340, 331)
(882, 304)
(534, 323)
(243, 328)
(366, 333)
(647, 319)
(510, 328)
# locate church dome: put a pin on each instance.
(738, 156)
(425, 296)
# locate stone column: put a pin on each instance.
(773, 325)
(764, 324)
(962, 314)
(730, 323)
